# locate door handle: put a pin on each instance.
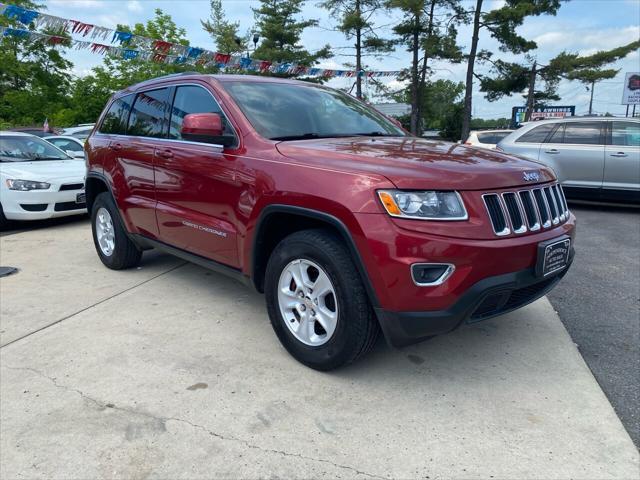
(552, 151)
(619, 154)
(115, 146)
(165, 154)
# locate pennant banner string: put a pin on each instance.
(138, 47)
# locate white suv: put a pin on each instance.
(595, 158)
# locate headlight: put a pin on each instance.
(428, 205)
(26, 185)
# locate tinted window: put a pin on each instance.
(288, 111)
(537, 134)
(587, 133)
(192, 99)
(64, 144)
(147, 117)
(492, 137)
(558, 135)
(626, 134)
(115, 120)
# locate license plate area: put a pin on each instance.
(553, 256)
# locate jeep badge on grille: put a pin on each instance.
(531, 176)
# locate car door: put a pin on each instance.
(135, 154)
(622, 160)
(575, 150)
(196, 189)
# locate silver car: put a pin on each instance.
(594, 158)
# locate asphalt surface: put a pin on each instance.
(599, 303)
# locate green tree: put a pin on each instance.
(280, 29)
(224, 33)
(34, 76)
(355, 21)
(509, 78)
(92, 92)
(590, 76)
(427, 29)
(501, 23)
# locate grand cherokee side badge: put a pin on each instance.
(531, 176)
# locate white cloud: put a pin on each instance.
(589, 41)
(134, 6)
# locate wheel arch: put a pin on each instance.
(95, 184)
(278, 221)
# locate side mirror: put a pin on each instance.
(205, 128)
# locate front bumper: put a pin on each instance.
(41, 204)
(487, 298)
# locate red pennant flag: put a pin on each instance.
(222, 58)
(159, 57)
(81, 28)
(264, 65)
(55, 40)
(162, 46)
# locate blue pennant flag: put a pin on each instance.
(283, 67)
(130, 54)
(180, 60)
(21, 14)
(121, 37)
(245, 62)
(14, 32)
(193, 52)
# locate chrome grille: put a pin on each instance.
(526, 210)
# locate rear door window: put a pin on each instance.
(583, 133)
(192, 99)
(537, 134)
(625, 134)
(148, 115)
(115, 120)
(66, 145)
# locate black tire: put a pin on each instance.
(356, 329)
(4, 223)
(125, 254)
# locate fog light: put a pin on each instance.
(431, 274)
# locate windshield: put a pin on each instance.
(28, 149)
(281, 111)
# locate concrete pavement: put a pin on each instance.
(172, 371)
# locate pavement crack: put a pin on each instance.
(104, 405)
(60, 320)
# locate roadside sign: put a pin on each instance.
(631, 91)
(541, 113)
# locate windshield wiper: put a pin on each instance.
(307, 136)
(375, 134)
(38, 157)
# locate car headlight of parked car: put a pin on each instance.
(426, 205)
(26, 185)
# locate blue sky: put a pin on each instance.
(583, 26)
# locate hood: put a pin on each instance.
(45, 170)
(415, 163)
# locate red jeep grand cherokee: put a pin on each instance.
(348, 224)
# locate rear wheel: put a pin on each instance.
(114, 247)
(316, 301)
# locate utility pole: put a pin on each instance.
(593, 86)
(532, 89)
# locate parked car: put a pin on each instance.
(38, 180)
(486, 138)
(348, 224)
(73, 146)
(595, 158)
(81, 131)
(37, 131)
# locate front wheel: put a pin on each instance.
(114, 247)
(316, 301)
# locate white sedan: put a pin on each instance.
(38, 180)
(71, 145)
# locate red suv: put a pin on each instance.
(348, 224)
